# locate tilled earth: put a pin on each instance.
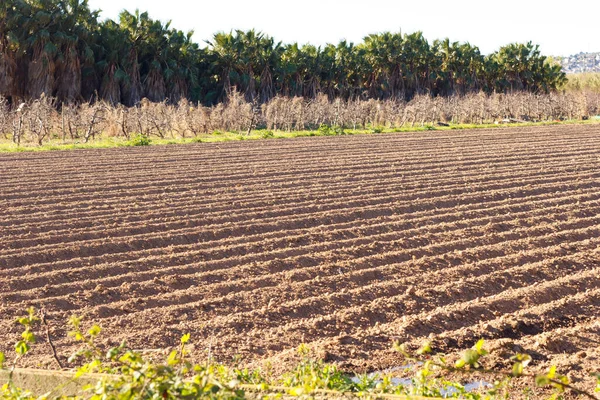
(344, 243)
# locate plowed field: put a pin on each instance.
(344, 243)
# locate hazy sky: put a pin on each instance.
(560, 28)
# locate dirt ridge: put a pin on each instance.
(344, 243)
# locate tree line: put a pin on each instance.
(61, 48)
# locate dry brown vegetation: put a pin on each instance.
(40, 121)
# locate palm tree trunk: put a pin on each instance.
(110, 89)
(69, 77)
(8, 68)
(41, 74)
(132, 90)
(155, 88)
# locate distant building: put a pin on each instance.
(582, 62)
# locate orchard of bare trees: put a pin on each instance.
(40, 121)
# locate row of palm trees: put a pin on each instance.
(60, 48)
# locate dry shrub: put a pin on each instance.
(283, 113)
(117, 122)
(38, 121)
(191, 120)
(237, 113)
(39, 118)
(5, 118)
(157, 118)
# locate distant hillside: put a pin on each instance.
(582, 62)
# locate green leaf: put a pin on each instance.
(401, 348)
(479, 345)
(522, 358)
(425, 349)
(470, 357)
(75, 321)
(2, 359)
(94, 331)
(43, 17)
(43, 33)
(185, 338)
(120, 75)
(517, 369)
(172, 359)
(22, 347)
(137, 375)
(112, 353)
(50, 48)
(80, 372)
(542, 380)
(28, 336)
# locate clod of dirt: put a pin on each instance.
(557, 345)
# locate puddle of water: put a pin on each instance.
(469, 387)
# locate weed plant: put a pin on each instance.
(127, 374)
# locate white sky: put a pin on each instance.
(560, 28)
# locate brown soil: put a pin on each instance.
(344, 243)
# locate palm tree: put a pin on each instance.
(154, 55)
(418, 56)
(182, 72)
(522, 67)
(10, 48)
(111, 55)
(76, 24)
(42, 24)
(268, 63)
(133, 28)
(226, 48)
(58, 48)
(311, 71)
(291, 71)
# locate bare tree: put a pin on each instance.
(39, 121)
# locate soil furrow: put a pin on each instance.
(344, 243)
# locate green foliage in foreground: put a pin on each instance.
(218, 136)
(128, 375)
